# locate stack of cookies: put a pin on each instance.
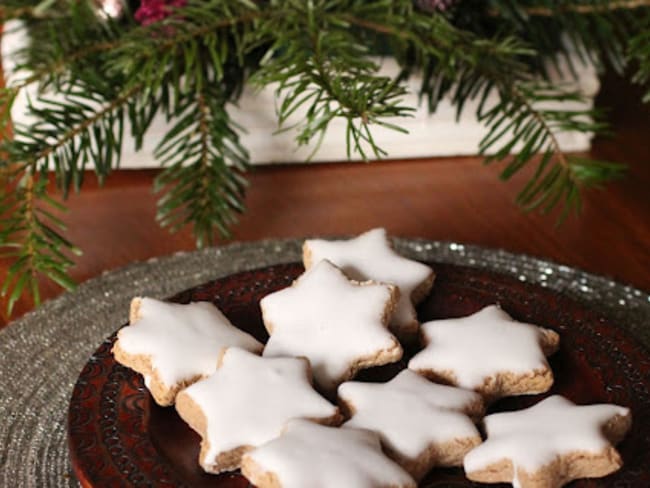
(288, 414)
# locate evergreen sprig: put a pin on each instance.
(525, 122)
(116, 75)
(320, 63)
(639, 53)
(204, 162)
(596, 31)
(31, 236)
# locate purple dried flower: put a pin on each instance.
(434, 5)
(151, 11)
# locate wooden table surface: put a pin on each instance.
(452, 199)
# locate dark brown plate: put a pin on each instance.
(118, 436)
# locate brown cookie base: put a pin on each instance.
(501, 384)
(556, 474)
(507, 383)
(163, 394)
(443, 455)
(257, 476)
(564, 469)
(448, 454)
(268, 479)
(229, 460)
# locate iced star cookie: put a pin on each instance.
(310, 455)
(246, 403)
(175, 345)
(487, 352)
(370, 256)
(420, 424)
(338, 324)
(549, 444)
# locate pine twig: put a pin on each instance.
(85, 124)
(29, 238)
(588, 9)
(558, 176)
(639, 54)
(201, 184)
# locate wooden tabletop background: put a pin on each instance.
(451, 199)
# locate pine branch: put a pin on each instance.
(59, 55)
(87, 127)
(67, 136)
(445, 55)
(319, 55)
(588, 9)
(529, 126)
(57, 66)
(70, 134)
(474, 67)
(639, 53)
(203, 182)
(31, 237)
(9, 12)
(169, 53)
(320, 64)
(596, 32)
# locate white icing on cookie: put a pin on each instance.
(183, 341)
(536, 436)
(337, 324)
(371, 257)
(410, 413)
(311, 455)
(249, 399)
(480, 346)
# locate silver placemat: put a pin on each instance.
(42, 354)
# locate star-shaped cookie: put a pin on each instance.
(421, 424)
(549, 444)
(174, 345)
(246, 403)
(338, 324)
(488, 352)
(310, 455)
(371, 256)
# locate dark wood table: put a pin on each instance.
(455, 199)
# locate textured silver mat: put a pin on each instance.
(42, 354)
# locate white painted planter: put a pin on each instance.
(438, 134)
